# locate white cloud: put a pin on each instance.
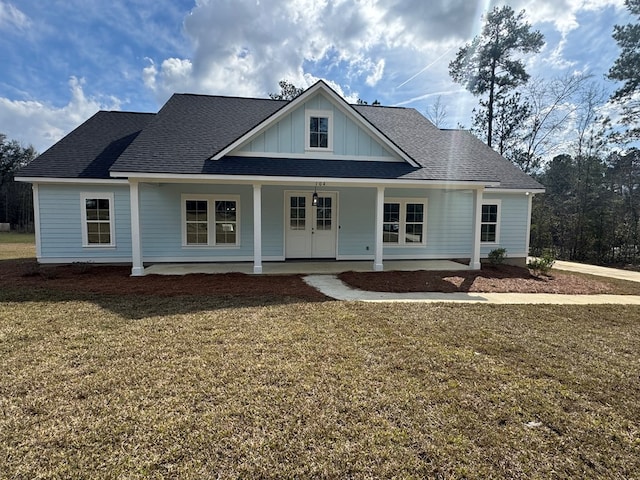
(11, 17)
(37, 123)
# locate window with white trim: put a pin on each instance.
(404, 221)
(210, 220)
(490, 222)
(97, 219)
(319, 130)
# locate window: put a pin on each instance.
(403, 222)
(209, 220)
(297, 213)
(489, 223)
(323, 213)
(197, 222)
(319, 130)
(97, 220)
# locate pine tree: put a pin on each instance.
(487, 66)
(626, 69)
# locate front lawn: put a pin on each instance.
(205, 386)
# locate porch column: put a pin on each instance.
(377, 261)
(474, 264)
(257, 228)
(137, 268)
(36, 220)
(528, 237)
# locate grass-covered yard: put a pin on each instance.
(106, 386)
(198, 384)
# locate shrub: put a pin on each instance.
(497, 256)
(542, 264)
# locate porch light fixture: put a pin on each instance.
(314, 198)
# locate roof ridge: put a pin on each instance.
(191, 94)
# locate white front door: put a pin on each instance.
(310, 230)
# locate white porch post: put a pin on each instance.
(377, 262)
(528, 238)
(257, 228)
(36, 220)
(474, 264)
(137, 268)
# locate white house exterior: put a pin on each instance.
(221, 179)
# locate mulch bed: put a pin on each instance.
(116, 280)
(500, 279)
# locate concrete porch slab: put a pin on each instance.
(293, 267)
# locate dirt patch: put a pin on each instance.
(501, 279)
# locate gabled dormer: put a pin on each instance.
(317, 124)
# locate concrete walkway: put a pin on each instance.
(595, 270)
(333, 287)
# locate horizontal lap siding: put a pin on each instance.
(448, 224)
(513, 223)
(61, 223)
(161, 222)
(272, 221)
(356, 210)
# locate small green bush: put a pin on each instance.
(497, 256)
(542, 264)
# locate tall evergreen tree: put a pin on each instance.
(626, 69)
(487, 65)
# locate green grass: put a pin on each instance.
(15, 237)
(205, 387)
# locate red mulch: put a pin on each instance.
(501, 279)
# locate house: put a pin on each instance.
(221, 179)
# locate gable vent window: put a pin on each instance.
(319, 130)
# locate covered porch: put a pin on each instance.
(293, 267)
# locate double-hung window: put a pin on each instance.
(404, 222)
(490, 222)
(319, 130)
(210, 220)
(97, 220)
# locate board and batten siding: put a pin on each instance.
(61, 224)
(287, 136)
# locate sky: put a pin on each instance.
(61, 63)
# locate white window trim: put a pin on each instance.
(211, 219)
(84, 196)
(307, 130)
(498, 213)
(403, 221)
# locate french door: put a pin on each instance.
(310, 230)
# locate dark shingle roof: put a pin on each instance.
(445, 154)
(89, 150)
(189, 129)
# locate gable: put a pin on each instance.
(289, 136)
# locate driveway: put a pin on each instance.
(595, 270)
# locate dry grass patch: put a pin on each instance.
(199, 387)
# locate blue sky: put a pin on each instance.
(64, 61)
